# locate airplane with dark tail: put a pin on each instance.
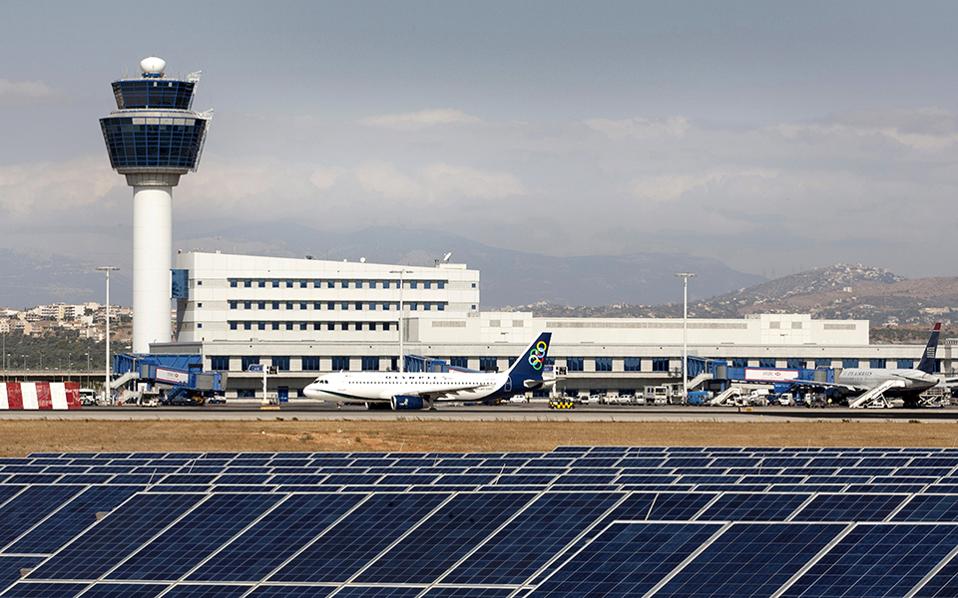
(418, 390)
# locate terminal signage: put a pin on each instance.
(768, 375)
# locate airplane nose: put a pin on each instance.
(311, 391)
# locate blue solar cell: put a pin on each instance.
(74, 517)
(44, 590)
(520, 548)
(10, 567)
(876, 560)
(272, 540)
(446, 535)
(753, 507)
(178, 549)
(468, 593)
(124, 590)
(339, 553)
(292, 591)
(103, 545)
(626, 559)
(378, 592)
(943, 584)
(750, 559)
(849, 507)
(929, 507)
(207, 591)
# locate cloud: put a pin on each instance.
(640, 128)
(421, 119)
(438, 181)
(922, 129)
(40, 189)
(669, 187)
(325, 178)
(24, 90)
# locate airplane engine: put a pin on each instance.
(406, 402)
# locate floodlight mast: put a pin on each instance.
(685, 276)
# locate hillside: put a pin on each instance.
(899, 309)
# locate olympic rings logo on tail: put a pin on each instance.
(537, 354)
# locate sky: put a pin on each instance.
(775, 136)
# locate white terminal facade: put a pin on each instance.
(306, 317)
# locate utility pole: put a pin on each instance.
(402, 356)
(107, 395)
(685, 276)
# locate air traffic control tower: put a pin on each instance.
(153, 138)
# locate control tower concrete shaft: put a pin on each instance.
(153, 137)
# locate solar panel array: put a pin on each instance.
(577, 521)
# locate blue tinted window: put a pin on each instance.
(876, 363)
(906, 364)
(249, 360)
(340, 364)
(660, 364)
(575, 364)
(488, 364)
(766, 362)
(459, 362)
(310, 363)
(823, 362)
(795, 363)
(281, 363)
(632, 364)
(603, 364)
(220, 362)
(370, 364)
(849, 363)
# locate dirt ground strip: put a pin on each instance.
(21, 437)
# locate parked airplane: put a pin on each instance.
(415, 390)
(864, 385)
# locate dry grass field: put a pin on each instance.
(21, 437)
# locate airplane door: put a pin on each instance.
(508, 385)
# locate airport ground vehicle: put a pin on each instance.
(561, 403)
(518, 399)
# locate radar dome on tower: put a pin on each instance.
(152, 66)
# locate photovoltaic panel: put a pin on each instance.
(378, 592)
(467, 593)
(750, 560)
(44, 590)
(10, 567)
(292, 592)
(276, 537)
(74, 517)
(446, 536)
(104, 544)
(626, 559)
(206, 591)
(877, 560)
(21, 512)
(850, 507)
(943, 584)
(124, 590)
(520, 548)
(358, 538)
(181, 547)
(929, 507)
(753, 507)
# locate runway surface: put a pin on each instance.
(487, 413)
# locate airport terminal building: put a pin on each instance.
(306, 317)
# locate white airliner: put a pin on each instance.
(906, 383)
(416, 390)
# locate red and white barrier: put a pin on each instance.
(39, 395)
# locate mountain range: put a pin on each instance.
(509, 276)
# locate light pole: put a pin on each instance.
(23, 362)
(106, 375)
(685, 276)
(87, 361)
(402, 356)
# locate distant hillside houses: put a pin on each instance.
(85, 319)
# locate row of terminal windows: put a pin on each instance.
(491, 364)
(825, 362)
(300, 283)
(310, 363)
(339, 305)
(358, 326)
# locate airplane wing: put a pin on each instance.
(441, 393)
(817, 384)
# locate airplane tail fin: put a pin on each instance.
(927, 363)
(531, 363)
